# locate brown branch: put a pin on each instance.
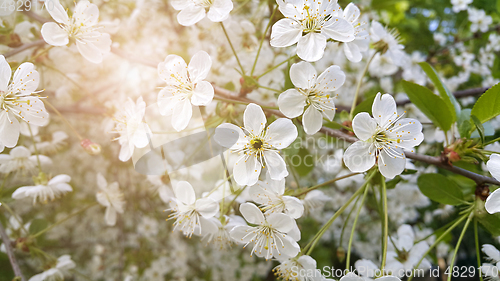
(10, 253)
(24, 47)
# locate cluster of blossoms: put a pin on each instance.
(248, 198)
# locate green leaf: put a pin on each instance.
(431, 105)
(365, 106)
(38, 225)
(491, 223)
(464, 124)
(444, 92)
(479, 127)
(392, 183)
(440, 189)
(488, 105)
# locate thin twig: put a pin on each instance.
(10, 253)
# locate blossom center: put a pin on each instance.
(313, 21)
(257, 143)
(204, 3)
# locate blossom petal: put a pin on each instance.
(407, 132)
(9, 129)
(86, 13)
(57, 11)
(293, 207)
(351, 13)
(101, 181)
(303, 75)
(203, 94)
(492, 204)
(173, 70)
(110, 216)
(199, 66)
(276, 165)
(167, 101)
(352, 52)
(312, 120)
(358, 157)
(287, 247)
(311, 47)
(5, 73)
(182, 115)
(494, 166)
(246, 170)
(184, 192)
(364, 126)
(191, 15)
(252, 213)
(240, 233)
(384, 109)
(330, 80)
(291, 103)
(89, 51)
(338, 29)
(220, 9)
(281, 133)
(54, 35)
(25, 79)
(285, 32)
(280, 222)
(230, 136)
(393, 164)
(207, 207)
(254, 119)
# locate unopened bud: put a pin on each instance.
(90, 147)
(341, 254)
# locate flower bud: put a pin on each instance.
(90, 147)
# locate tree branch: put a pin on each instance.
(24, 47)
(10, 253)
(437, 161)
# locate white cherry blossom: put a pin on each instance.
(271, 237)
(353, 50)
(82, 28)
(270, 194)
(406, 255)
(256, 145)
(64, 263)
(480, 21)
(18, 101)
(109, 196)
(299, 269)
(310, 24)
(187, 210)
(192, 11)
(131, 127)
(492, 204)
(20, 159)
(313, 92)
(43, 190)
(387, 42)
(383, 138)
(185, 87)
(460, 5)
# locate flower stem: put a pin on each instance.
(307, 190)
(232, 48)
(492, 141)
(262, 40)
(62, 220)
(36, 150)
(276, 66)
(351, 237)
(478, 254)
(471, 216)
(309, 247)
(65, 120)
(446, 232)
(386, 223)
(358, 87)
